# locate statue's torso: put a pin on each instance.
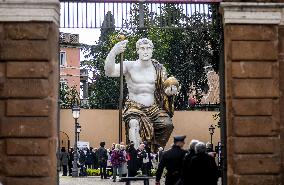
(140, 81)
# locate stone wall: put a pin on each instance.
(29, 74)
(102, 125)
(281, 102)
(254, 81)
(29, 86)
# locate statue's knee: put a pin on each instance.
(133, 123)
(168, 123)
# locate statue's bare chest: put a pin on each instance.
(143, 75)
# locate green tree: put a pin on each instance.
(185, 45)
(184, 52)
(103, 91)
(69, 96)
(216, 35)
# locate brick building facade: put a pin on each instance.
(69, 60)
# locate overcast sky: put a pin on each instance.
(92, 15)
(86, 35)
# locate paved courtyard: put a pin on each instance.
(94, 181)
(99, 181)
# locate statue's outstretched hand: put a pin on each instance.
(172, 90)
(119, 47)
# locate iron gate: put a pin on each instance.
(91, 14)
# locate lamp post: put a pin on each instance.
(211, 132)
(76, 114)
(78, 131)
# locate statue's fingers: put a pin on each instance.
(123, 44)
(174, 87)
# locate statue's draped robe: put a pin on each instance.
(154, 121)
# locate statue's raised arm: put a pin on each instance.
(111, 68)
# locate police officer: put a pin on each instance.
(172, 160)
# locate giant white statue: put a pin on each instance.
(149, 106)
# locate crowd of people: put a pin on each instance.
(122, 160)
(183, 166)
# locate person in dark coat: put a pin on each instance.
(102, 157)
(82, 158)
(172, 160)
(132, 161)
(203, 168)
(186, 162)
(94, 158)
(82, 163)
(70, 161)
(64, 157)
(89, 159)
(147, 160)
(140, 149)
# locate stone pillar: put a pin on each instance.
(254, 43)
(29, 78)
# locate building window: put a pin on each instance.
(62, 58)
(63, 83)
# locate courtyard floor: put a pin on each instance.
(98, 181)
(95, 181)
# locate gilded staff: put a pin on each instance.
(121, 38)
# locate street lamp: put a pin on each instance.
(76, 114)
(211, 132)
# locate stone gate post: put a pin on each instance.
(254, 67)
(29, 74)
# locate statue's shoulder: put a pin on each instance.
(157, 64)
(128, 63)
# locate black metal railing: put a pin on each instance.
(205, 107)
(91, 13)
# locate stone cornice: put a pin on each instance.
(30, 10)
(253, 13)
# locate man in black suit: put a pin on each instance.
(172, 161)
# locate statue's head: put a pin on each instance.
(144, 48)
